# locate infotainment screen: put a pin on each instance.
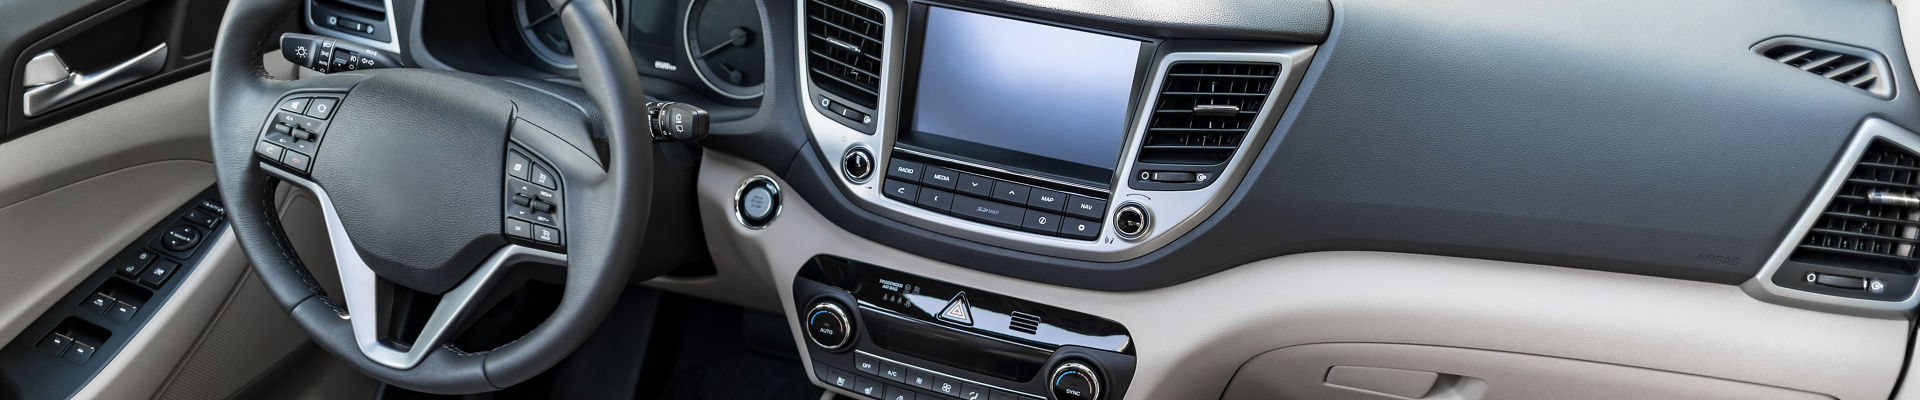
(1023, 95)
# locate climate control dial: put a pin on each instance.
(829, 327)
(1075, 381)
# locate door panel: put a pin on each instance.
(90, 36)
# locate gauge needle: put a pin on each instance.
(737, 37)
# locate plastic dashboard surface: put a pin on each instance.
(1542, 134)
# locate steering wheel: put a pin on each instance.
(436, 183)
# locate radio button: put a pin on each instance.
(940, 177)
(939, 200)
(904, 170)
(902, 191)
(975, 185)
(1047, 200)
(1086, 207)
(994, 213)
(1010, 192)
(1080, 229)
(1041, 222)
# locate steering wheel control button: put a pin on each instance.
(298, 104)
(546, 235)
(297, 161)
(322, 107)
(180, 238)
(1075, 381)
(158, 274)
(857, 165)
(904, 170)
(517, 165)
(519, 229)
(829, 327)
(541, 177)
(1131, 221)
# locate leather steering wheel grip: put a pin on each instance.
(601, 257)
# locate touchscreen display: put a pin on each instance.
(1023, 94)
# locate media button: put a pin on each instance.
(1010, 192)
(1041, 222)
(1047, 200)
(975, 185)
(939, 200)
(1086, 207)
(987, 211)
(901, 191)
(904, 170)
(1080, 229)
(940, 177)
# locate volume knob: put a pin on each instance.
(829, 327)
(1075, 381)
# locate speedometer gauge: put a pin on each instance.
(722, 41)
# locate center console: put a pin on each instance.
(891, 335)
(1033, 135)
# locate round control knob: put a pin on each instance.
(1075, 381)
(1131, 221)
(857, 164)
(829, 327)
(180, 237)
(757, 202)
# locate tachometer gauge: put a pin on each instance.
(540, 27)
(723, 44)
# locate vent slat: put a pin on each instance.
(1177, 134)
(1863, 82)
(845, 39)
(1845, 66)
(1819, 62)
(1846, 69)
(1854, 233)
(1788, 57)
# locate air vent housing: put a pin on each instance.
(1852, 66)
(1865, 242)
(1203, 113)
(845, 40)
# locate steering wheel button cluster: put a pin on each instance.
(533, 200)
(298, 125)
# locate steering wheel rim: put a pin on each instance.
(606, 199)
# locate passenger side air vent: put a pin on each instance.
(1863, 244)
(1024, 323)
(845, 40)
(1860, 68)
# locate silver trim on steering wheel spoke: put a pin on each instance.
(366, 294)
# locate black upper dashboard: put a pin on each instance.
(1614, 136)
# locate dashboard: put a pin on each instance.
(1059, 183)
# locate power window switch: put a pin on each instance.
(54, 344)
(202, 218)
(79, 353)
(120, 311)
(97, 304)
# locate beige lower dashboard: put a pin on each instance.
(1192, 338)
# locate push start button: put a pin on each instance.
(757, 202)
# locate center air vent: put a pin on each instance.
(1852, 66)
(1864, 243)
(1024, 323)
(844, 44)
(1202, 115)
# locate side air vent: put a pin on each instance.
(1024, 323)
(1863, 244)
(1860, 68)
(844, 44)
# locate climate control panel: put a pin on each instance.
(885, 334)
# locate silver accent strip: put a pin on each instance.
(952, 160)
(362, 289)
(686, 43)
(77, 86)
(44, 68)
(393, 32)
(938, 373)
(1762, 286)
(1181, 211)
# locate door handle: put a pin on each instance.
(43, 96)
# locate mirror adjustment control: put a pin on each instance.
(829, 327)
(1074, 381)
(180, 238)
